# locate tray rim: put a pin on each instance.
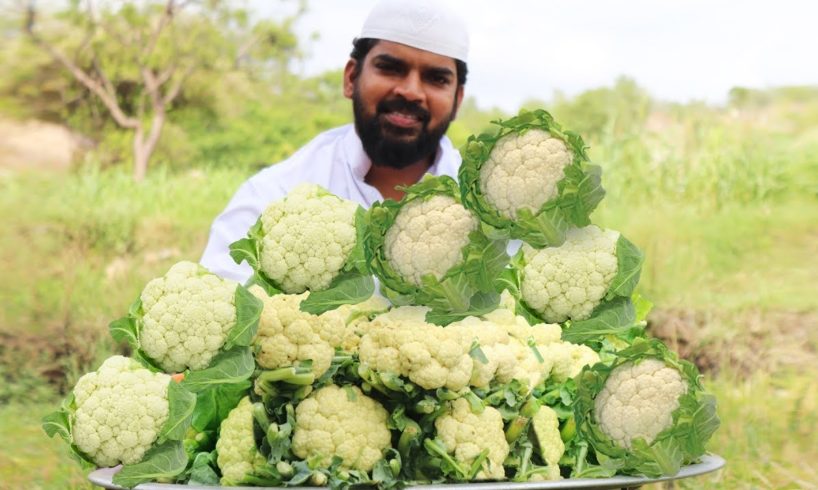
(103, 477)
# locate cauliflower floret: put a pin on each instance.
(187, 315)
(466, 434)
(568, 359)
(356, 320)
(308, 237)
(496, 344)
(287, 335)
(121, 409)
(638, 401)
(427, 237)
(508, 358)
(236, 446)
(547, 431)
(401, 342)
(569, 281)
(522, 171)
(343, 422)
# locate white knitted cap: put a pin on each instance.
(423, 24)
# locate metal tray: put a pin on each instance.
(103, 478)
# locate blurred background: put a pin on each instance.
(126, 126)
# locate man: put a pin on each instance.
(405, 77)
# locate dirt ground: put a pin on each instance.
(37, 145)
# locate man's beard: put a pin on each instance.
(382, 147)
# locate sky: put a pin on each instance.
(678, 50)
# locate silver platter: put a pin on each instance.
(104, 478)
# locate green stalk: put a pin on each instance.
(515, 428)
(295, 375)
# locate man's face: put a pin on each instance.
(403, 99)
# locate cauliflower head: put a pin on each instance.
(187, 314)
(401, 342)
(522, 171)
(645, 409)
(343, 422)
(466, 434)
(120, 411)
(428, 236)
(638, 400)
(569, 281)
(237, 455)
(307, 238)
(530, 179)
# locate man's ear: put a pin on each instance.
(349, 78)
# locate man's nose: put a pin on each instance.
(410, 88)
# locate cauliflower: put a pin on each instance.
(312, 240)
(186, 316)
(645, 410)
(124, 413)
(343, 422)
(307, 238)
(120, 411)
(466, 434)
(237, 455)
(427, 237)
(429, 250)
(638, 400)
(402, 343)
(531, 179)
(570, 281)
(522, 171)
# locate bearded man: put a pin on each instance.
(405, 77)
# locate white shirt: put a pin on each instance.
(335, 160)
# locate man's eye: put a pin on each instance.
(387, 68)
(439, 79)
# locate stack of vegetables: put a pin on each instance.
(471, 363)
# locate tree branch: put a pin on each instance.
(167, 16)
(177, 85)
(107, 98)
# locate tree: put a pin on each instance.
(136, 58)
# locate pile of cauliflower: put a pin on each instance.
(467, 364)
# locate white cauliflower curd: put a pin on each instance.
(187, 315)
(343, 422)
(638, 400)
(120, 410)
(428, 236)
(522, 171)
(569, 281)
(307, 238)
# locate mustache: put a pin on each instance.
(399, 104)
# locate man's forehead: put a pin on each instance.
(411, 55)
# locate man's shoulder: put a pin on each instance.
(313, 159)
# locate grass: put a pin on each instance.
(29, 460)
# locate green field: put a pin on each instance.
(725, 208)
